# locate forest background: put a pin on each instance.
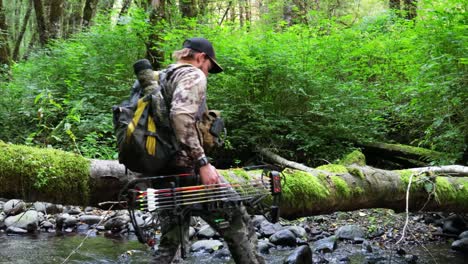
(311, 80)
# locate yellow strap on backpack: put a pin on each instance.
(151, 140)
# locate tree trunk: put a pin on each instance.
(125, 7)
(410, 7)
(397, 155)
(19, 40)
(153, 53)
(241, 13)
(394, 4)
(202, 7)
(89, 11)
(41, 22)
(74, 19)
(188, 8)
(5, 57)
(60, 177)
(56, 15)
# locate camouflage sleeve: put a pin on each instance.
(188, 96)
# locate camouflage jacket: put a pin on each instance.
(187, 85)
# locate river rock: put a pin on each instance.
(192, 232)
(205, 245)
(117, 223)
(54, 208)
(454, 224)
(40, 207)
(264, 246)
(325, 245)
(47, 225)
(461, 245)
(90, 219)
(2, 203)
(16, 230)
(206, 232)
(298, 231)
(411, 259)
(27, 220)
(14, 207)
(301, 255)
(267, 229)
(257, 221)
(2, 220)
(73, 210)
(223, 253)
(463, 235)
(283, 238)
(350, 232)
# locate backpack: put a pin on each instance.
(145, 139)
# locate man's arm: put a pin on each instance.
(188, 96)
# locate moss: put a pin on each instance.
(427, 153)
(355, 157)
(333, 168)
(357, 191)
(240, 176)
(416, 184)
(46, 173)
(462, 191)
(341, 186)
(445, 192)
(242, 173)
(302, 190)
(356, 172)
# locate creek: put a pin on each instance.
(51, 248)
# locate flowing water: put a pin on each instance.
(50, 248)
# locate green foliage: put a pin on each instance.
(310, 91)
(62, 96)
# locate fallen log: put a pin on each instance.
(56, 176)
(400, 155)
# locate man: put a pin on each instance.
(185, 85)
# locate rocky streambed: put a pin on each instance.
(49, 233)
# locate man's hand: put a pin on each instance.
(209, 175)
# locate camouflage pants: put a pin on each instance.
(239, 235)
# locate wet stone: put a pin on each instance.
(463, 234)
(300, 232)
(16, 230)
(325, 245)
(454, 224)
(90, 219)
(264, 246)
(192, 232)
(73, 210)
(208, 246)
(350, 232)
(223, 254)
(267, 229)
(206, 232)
(27, 220)
(284, 238)
(40, 207)
(301, 255)
(460, 245)
(14, 207)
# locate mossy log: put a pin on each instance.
(60, 177)
(401, 155)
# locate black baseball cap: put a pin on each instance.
(203, 45)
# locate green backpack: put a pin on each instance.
(145, 138)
